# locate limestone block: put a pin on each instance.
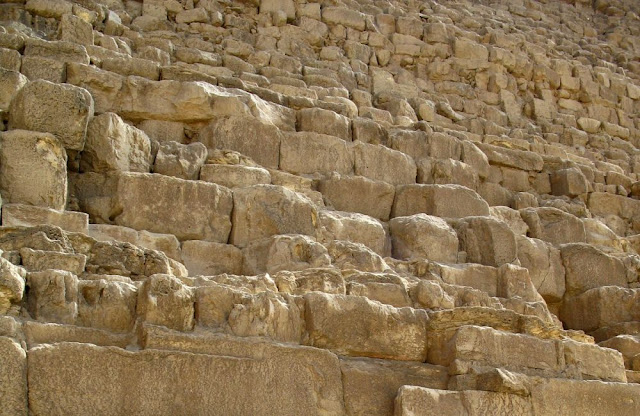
(514, 283)
(511, 217)
(247, 135)
(469, 50)
(370, 385)
(451, 201)
(56, 50)
(40, 260)
(163, 131)
(107, 305)
(486, 241)
(13, 378)
(446, 171)
(308, 379)
(299, 282)
(264, 210)
(484, 278)
(187, 209)
(429, 294)
(545, 267)
(166, 243)
(604, 204)
(49, 8)
(324, 122)
(628, 345)
(343, 16)
(123, 259)
(358, 194)
(347, 255)
(10, 59)
(198, 14)
(309, 153)
(553, 225)
(422, 236)
(599, 234)
(380, 163)
(53, 296)
(592, 361)
(29, 216)
(164, 300)
(419, 401)
(112, 144)
(182, 161)
(39, 68)
(272, 6)
(512, 158)
(570, 182)
(601, 307)
(37, 159)
(587, 267)
(76, 30)
(386, 288)
(12, 282)
(11, 82)
(208, 258)
(60, 109)
(494, 348)
(283, 252)
(358, 228)
(235, 176)
(356, 326)
(133, 66)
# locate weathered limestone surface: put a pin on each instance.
(331, 208)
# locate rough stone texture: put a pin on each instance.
(265, 210)
(114, 145)
(13, 377)
(486, 241)
(37, 159)
(358, 194)
(180, 161)
(423, 236)
(359, 228)
(311, 377)
(451, 201)
(60, 109)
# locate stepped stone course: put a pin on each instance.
(372, 207)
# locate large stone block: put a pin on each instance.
(112, 144)
(422, 236)
(486, 241)
(11, 285)
(60, 109)
(33, 169)
(31, 216)
(343, 16)
(358, 194)
(13, 378)
(356, 326)
(208, 258)
(11, 82)
(180, 160)
(164, 300)
(259, 376)
(235, 176)
(545, 267)
(553, 225)
(283, 252)
(189, 210)
(244, 134)
(358, 228)
(380, 163)
(264, 210)
(587, 267)
(450, 201)
(324, 122)
(109, 305)
(53, 296)
(309, 153)
(601, 307)
(512, 158)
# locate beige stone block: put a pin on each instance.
(553, 225)
(588, 267)
(346, 255)
(13, 378)
(41, 260)
(122, 259)
(30, 216)
(422, 236)
(358, 228)
(371, 385)
(246, 135)
(310, 153)
(343, 16)
(512, 158)
(107, 305)
(545, 267)
(10, 84)
(355, 326)
(451, 201)
(164, 300)
(235, 176)
(53, 296)
(299, 282)
(486, 241)
(447, 171)
(380, 163)
(60, 109)
(162, 204)
(601, 307)
(10, 59)
(208, 258)
(76, 30)
(49, 8)
(112, 144)
(182, 161)
(283, 252)
(324, 122)
(386, 288)
(265, 210)
(37, 159)
(570, 182)
(163, 131)
(127, 66)
(358, 194)
(12, 284)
